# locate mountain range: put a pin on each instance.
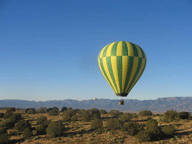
(130, 105)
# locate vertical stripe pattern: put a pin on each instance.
(122, 63)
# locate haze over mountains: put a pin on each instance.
(133, 105)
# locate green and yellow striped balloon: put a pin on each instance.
(122, 64)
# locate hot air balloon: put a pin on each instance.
(122, 63)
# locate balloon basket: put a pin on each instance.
(121, 102)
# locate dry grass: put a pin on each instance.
(79, 132)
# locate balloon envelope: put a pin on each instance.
(122, 64)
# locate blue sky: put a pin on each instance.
(49, 48)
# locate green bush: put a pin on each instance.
(103, 111)
(46, 123)
(41, 129)
(41, 119)
(169, 130)
(17, 116)
(21, 125)
(9, 123)
(53, 112)
(183, 115)
(85, 116)
(67, 115)
(145, 113)
(76, 110)
(152, 127)
(63, 109)
(42, 110)
(11, 109)
(126, 117)
(151, 124)
(53, 108)
(34, 132)
(27, 133)
(115, 113)
(31, 111)
(27, 110)
(135, 115)
(1, 115)
(144, 136)
(56, 108)
(3, 131)
(74, 118)
(96, 124)
(4, 139)
(94, 113)
(114, 123)
(8, 115)
(55, 129)
(170, 115)
(132, 128)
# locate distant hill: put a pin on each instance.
(133, 105)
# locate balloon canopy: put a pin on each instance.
(122, 64)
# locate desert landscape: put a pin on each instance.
(93, 126)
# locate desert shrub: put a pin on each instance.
(27, 110)
(46, 123)
(114, 123)
(152, 127)
(34, 132)
(41, 129)
(67, 115)
(55, 129)
(145, 113)
(74, 118)
(169, 130)
(135, 115)
(126, 117)
(3, 131)
(170, 115)
(9, 123)
(151, 124)
(103, 111)
(85, 116)
(115, 113)
(76, 110)
(8, 115)
(183, 115)
(4, 139)
(42, 110)
(41, 119)
(96, 124)
(17, 117)
(94, 113)
(27, 133)
(11, 109)
(132, 128)
(31, 111)
(21, 125)
(54, 112)
(144, 136)
(63, 109)
(49, 109)
(81, 111)
(1, 115)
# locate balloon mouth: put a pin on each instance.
(122, 94)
